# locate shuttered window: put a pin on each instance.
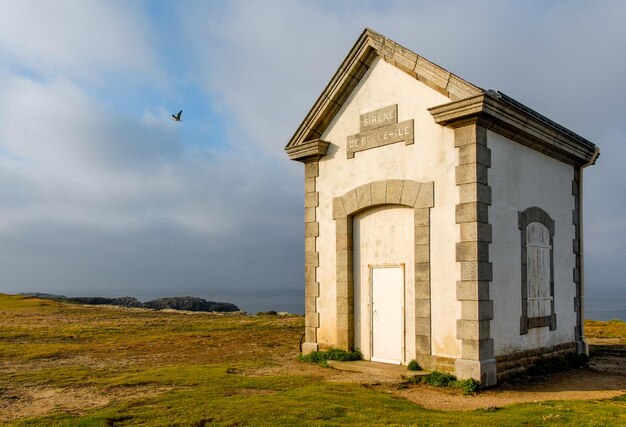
(537, 230)
(538, 269)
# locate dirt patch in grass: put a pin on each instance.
(20, 402)
(580, 384)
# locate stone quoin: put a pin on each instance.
(442, 222)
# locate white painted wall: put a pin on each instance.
(383, 235)
(431, 158)
(520, 178)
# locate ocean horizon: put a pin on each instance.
(601, 303)
(605, 303)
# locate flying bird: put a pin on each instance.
(176, 117)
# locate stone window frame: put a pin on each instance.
(525, 218)
(402, 192)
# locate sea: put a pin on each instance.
(604, 303)
(601, 303)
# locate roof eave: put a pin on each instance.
(503, 115)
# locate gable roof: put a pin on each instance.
(492, 109)
(368, 46)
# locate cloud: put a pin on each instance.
(84, 40)
(103, 193)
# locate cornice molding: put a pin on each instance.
(501, 114)
(310, 150)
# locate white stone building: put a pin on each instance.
(442, 221)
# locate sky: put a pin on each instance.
(101, 193)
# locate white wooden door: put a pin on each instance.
(387, 314)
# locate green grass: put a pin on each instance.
(447, 380)
(200, 369)
(323, 356)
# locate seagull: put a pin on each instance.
(176, 117)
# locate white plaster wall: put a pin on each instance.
(520, 178)
(383, 235)
(431, 158)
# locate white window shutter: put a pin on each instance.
(538, 269)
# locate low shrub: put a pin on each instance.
(322, 357)
(414, 366)
(439, 379)
(469, 386)
(444, 379)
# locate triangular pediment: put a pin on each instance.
(369, 46)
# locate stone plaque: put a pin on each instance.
(378, 128)
(378, 118)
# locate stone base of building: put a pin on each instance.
(309, 347)
(435, 363)
(512, 364)
(481, 370)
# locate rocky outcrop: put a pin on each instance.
(190, 304)
(175, 303)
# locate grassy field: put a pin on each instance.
(64, 364)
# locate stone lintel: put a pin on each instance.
(379, 192)
(338, 209)
(350, 203)
(394, 191)
(410, 190)
(364, 196)
(426, 196)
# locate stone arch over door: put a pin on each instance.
(413, 194)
